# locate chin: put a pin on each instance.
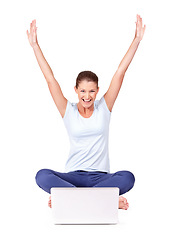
(87, 104)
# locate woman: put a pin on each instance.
(87, 123)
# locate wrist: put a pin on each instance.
(137, 40)
(35, 46)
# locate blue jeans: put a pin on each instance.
(46, 179)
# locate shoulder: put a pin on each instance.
(70, 108)
(101, 104)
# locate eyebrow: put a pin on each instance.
(89, 90)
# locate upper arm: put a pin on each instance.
(58, 97)
(113, 90)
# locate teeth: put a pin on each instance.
(86, 100)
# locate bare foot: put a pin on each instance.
(50, 203)
(123, 204)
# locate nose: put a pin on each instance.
(87, 95)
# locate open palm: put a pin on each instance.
(140, 29)
(32, 35)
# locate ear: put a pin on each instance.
(75, 89)
(98, 89)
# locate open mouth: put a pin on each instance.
(86, 100)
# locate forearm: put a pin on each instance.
(44, 66)
(124, 64)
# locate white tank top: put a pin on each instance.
(88, 138)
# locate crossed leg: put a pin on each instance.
(124, 180)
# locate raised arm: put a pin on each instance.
(115, 85)
(54, 87)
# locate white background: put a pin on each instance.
(78, 35)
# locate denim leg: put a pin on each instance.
(124, 180)
(46, 179)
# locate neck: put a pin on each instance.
(85, 111)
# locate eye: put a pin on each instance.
(82, 91)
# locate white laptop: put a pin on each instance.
(85, 205)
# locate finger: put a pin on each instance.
(30, 27)
(140, 21)
(144, 29)
(34, 27)
(138, 18)
(33, 23)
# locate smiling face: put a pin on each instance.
(87, 92)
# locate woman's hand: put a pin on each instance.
(139, 29)
(115, 85)
(32, 35)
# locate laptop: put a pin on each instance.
(97, 205)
